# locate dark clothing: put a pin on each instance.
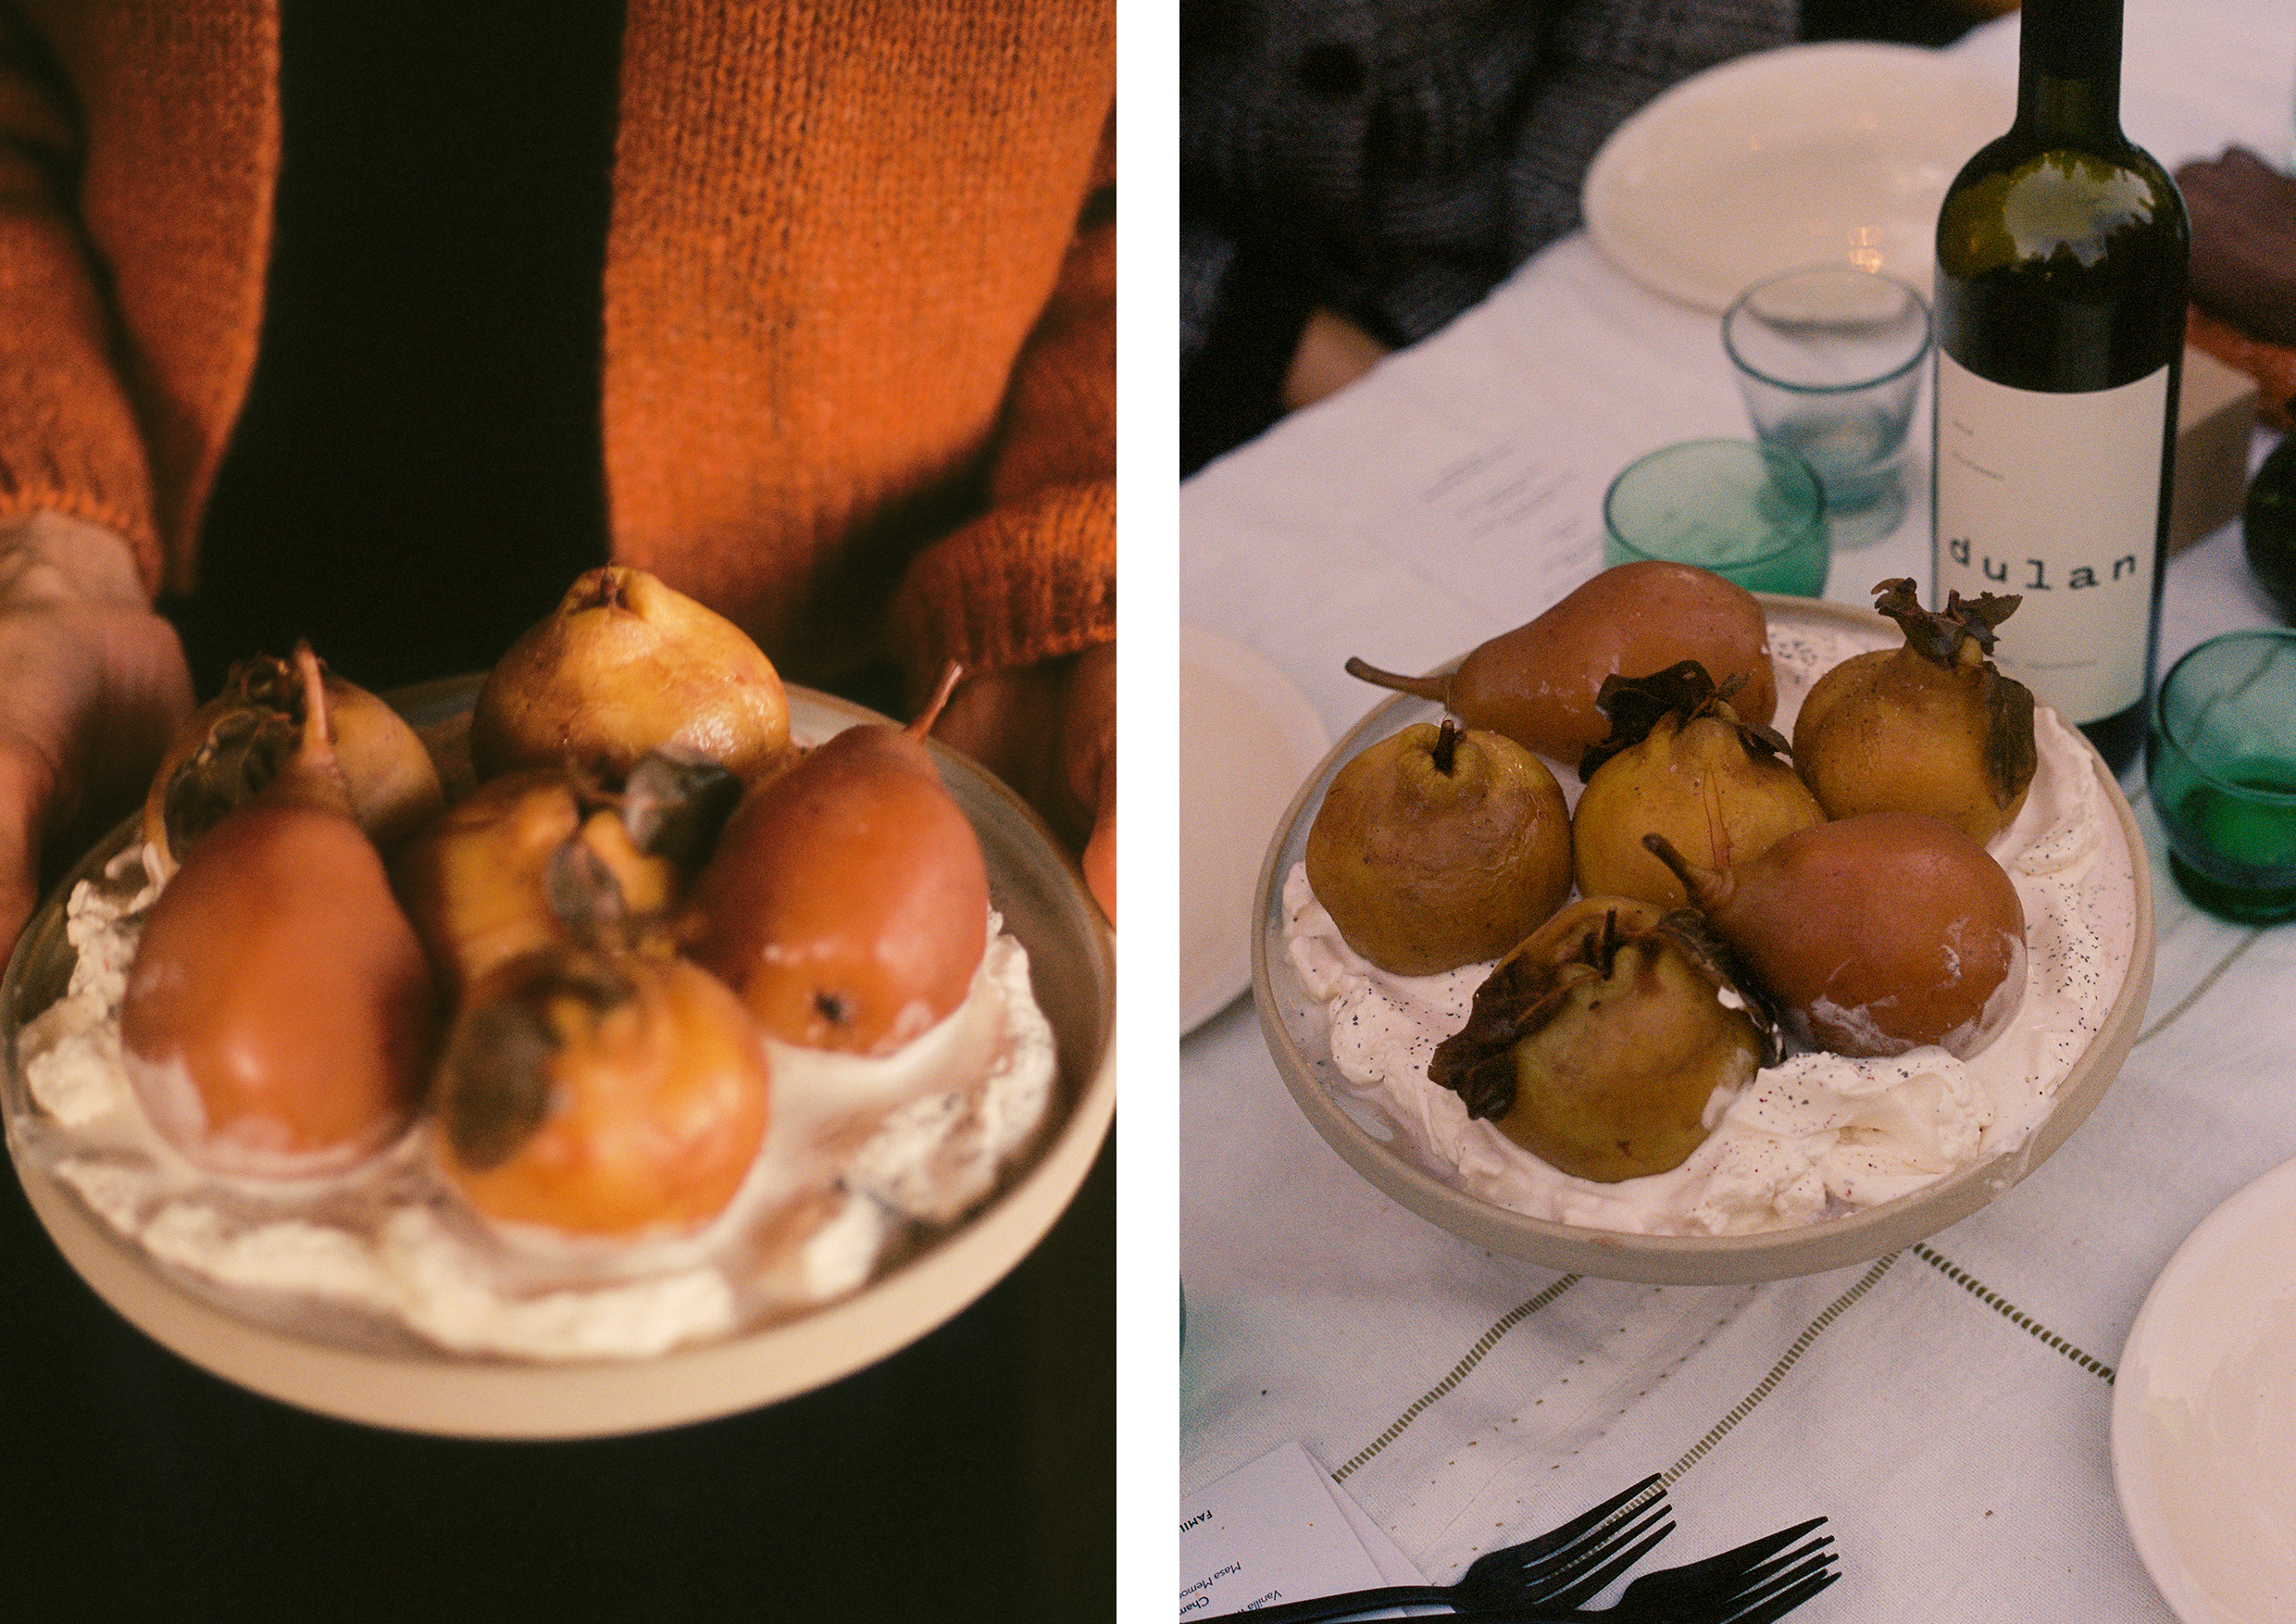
(1393, 160)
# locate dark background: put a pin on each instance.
(971, 1476)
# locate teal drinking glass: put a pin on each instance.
(2221, 763)
(1749, 511)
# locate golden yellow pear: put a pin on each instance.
(1439, 847)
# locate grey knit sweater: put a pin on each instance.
(1399, 157)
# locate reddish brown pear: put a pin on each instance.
(1874, 934)
(847, 900)
(280, 1016)
(1538, 683)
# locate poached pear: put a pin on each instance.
(601, 1094)
(1599, 1044)
(279, 1017)
(1873, 934)
(1682, 763)
(626, 663)
(1537, 685)
(234, 744)
(1436, 847)
(847, 900)
(1930, 726)
(543, 855)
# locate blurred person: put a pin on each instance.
(379, 324)
(1356, 173)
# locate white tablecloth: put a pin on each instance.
(1946, 1406)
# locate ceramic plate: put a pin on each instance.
(2204, 1414)
(1246, 739)
(1298, 1040)
(1071, 963)
(1796, 157)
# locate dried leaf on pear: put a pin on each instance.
(1679, 762)
(1600, 1045)
(1437, 847)
(542, 856)
(1930, 726)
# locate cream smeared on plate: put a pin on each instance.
(863, 1159)
(1819, 1135)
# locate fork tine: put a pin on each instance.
(1572, 1585)
(1719, 1578)
(1569, 1533)
(1749, 1597)
(1740, 1559)
(1526, 1569)
(1762, 1573)
(1786, 1601)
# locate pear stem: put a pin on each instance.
(312, 777)
(1435, 688)
(1708, 890)
(925, 718)
(1446, 750)
(608, 588)
(315, 752)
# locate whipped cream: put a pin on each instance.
(1819, 1135)
(864, 1158)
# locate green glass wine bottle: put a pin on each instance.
(2061, 285)
(2268, 526)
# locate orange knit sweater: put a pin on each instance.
(860, 267)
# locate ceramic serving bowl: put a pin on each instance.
(340, 1372)
(1294, 1026)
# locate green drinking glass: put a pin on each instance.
(2220, 759)
(1747, 510)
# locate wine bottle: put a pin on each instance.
(2061, 251)
(2268, 526)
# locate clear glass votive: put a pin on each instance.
(1749, 511)
(2221, 761)
(1829, 360)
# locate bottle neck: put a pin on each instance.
(2069, 70)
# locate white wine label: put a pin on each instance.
(2054, 497)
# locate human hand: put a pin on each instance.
(1333, 352)
(1050, 731)
(93, 686)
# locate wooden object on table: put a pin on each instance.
(2216, 414)
(2272, 366)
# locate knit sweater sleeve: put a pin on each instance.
(1033, 577)
(1606, 59)
(68, 437)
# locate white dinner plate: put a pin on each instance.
(1806, 155)
(1247, 737)
(2204, 1414)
